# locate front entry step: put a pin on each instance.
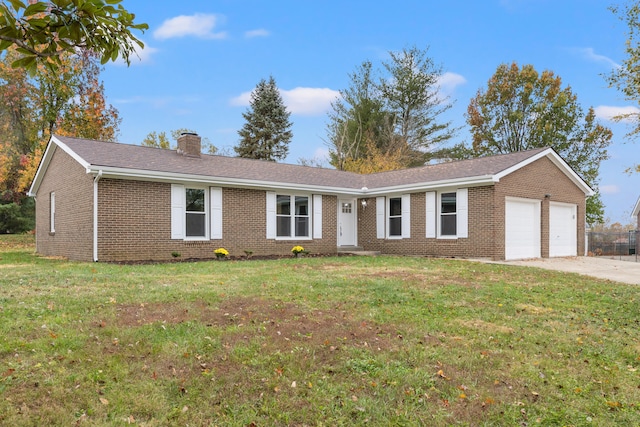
(356, 250)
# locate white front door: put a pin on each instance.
(347, 222)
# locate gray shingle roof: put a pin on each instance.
(134, 157)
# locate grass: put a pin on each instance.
(315, 341)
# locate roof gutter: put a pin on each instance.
(250, 183)
(172, 177)
(474, 181)
(95, 215)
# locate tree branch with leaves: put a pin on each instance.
(42, 31)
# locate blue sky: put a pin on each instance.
(202, 59)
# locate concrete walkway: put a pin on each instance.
(603, 268)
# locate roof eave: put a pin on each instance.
(146, 175)
(636, 209)
(46, 159)
(473, 181)
(558, 161)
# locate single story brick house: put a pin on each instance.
(105, 201)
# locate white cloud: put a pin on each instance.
(590, 54)
(242, 100)
(449, 81)
(304, 101)
(321, 155)
(309, 101)
(609, 189)
(608, 112)
(260, 32)
(199, 25)
(139, 56)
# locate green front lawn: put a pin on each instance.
(313, 341)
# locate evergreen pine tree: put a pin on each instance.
(266, 133)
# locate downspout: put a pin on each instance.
(35, 201)
(95, 215)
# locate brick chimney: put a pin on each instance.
(189, 145)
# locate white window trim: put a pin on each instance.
(317, 216)
(215, 213)
(310, 214)
(381, 220)
(177, 211)
(439, 215)
(52, 212)
(387, 218)
(382, 217)
(431, 214)
(207, 214)
(212, 212)
(462, 214)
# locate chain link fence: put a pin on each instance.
(621, 245)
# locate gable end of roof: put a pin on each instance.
(558, 161)
(52, 145)
(636, 209)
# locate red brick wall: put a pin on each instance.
(73, 237)
(486, 236)
(135, 224)
(480, 242)
(533, 182)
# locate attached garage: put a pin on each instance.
(522, 228)
(563, 224)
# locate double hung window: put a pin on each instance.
(448, 214)
(195, 213)
(292, 216)
(395, 217)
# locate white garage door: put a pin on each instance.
(563, 233)
(522, 228)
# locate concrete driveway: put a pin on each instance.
(603, 268)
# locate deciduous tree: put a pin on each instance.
(160, 140)
(394, 111)
(44, 31)
(267, 131)
(358, 112)
(157, 140)
(70, 101)
(626, 78)
(521, 109)
(411, 96)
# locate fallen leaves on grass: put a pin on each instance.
(441, 374)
